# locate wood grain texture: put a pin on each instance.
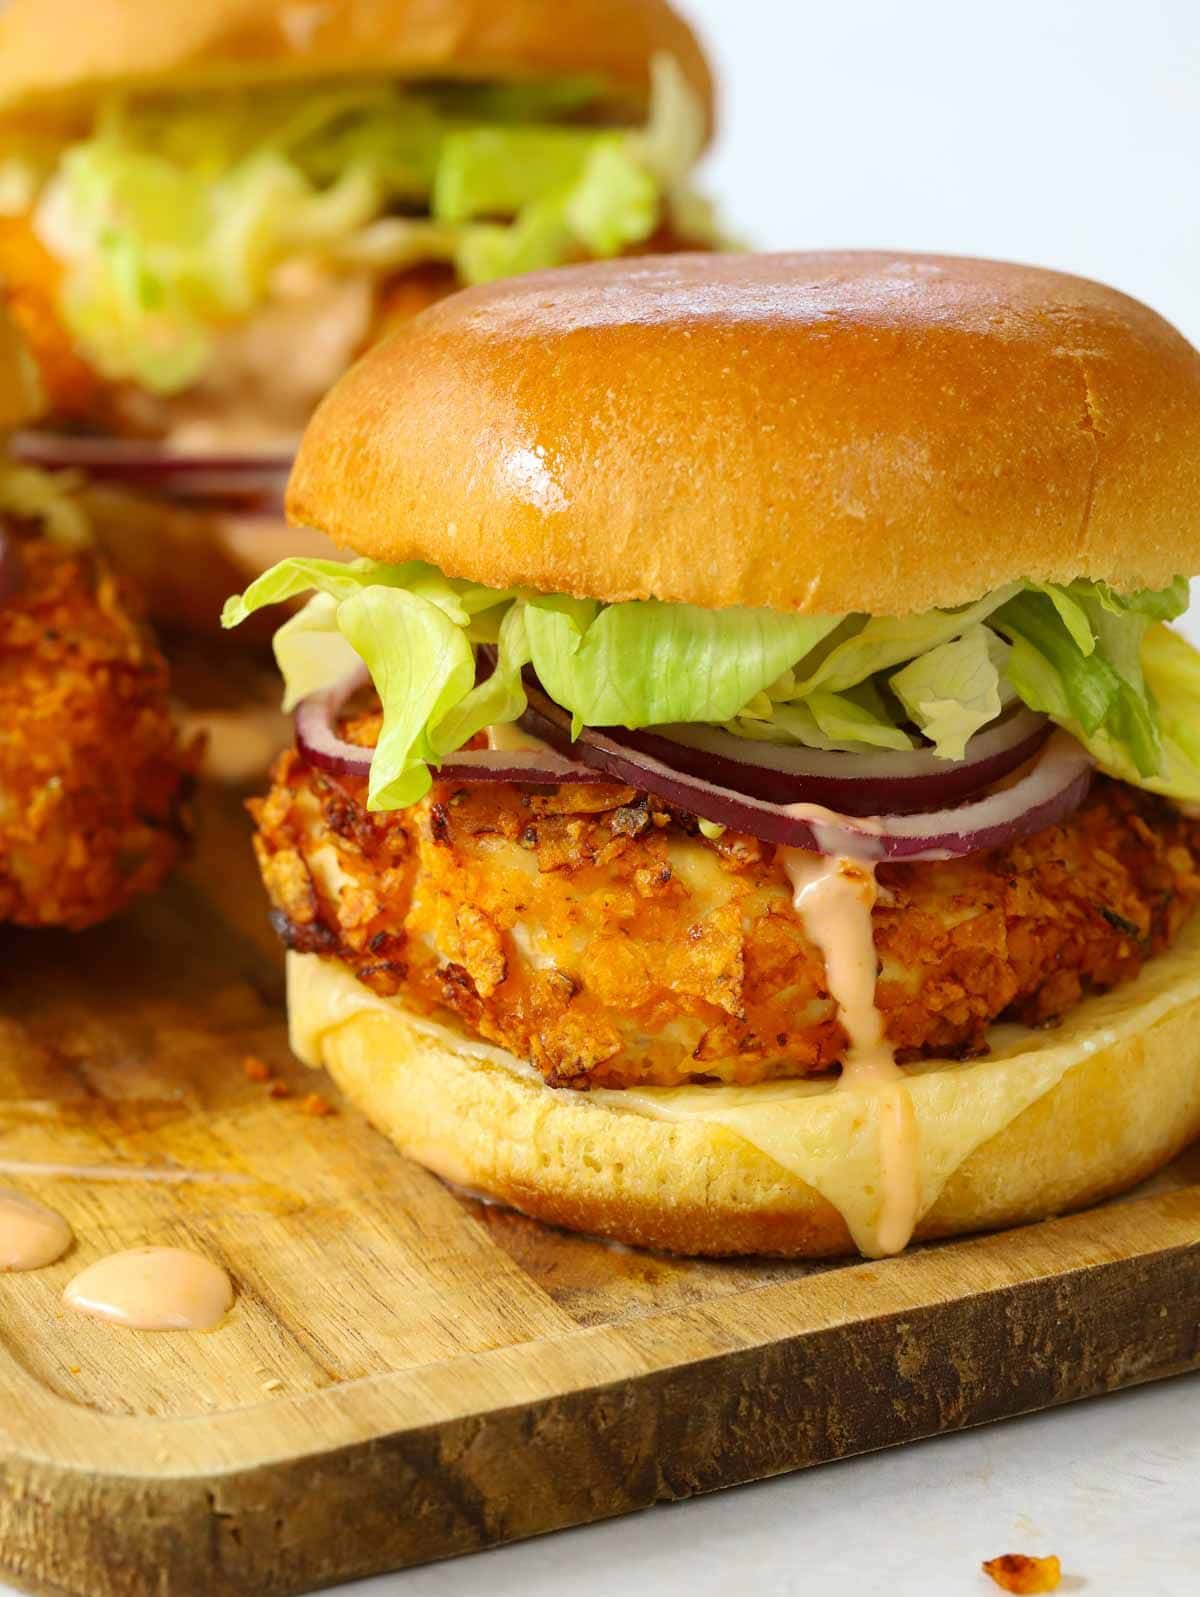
(409, 1373)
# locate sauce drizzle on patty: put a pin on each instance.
(834, 898)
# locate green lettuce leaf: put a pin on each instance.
(492, 171)
(1172, 671)
(954, 689)
(1171, 667)
(423, 667)
(855, 722)
(498, 699)
(882, 642)
(633, 664)
(1100, 664)
(646, 664)
(173, 217)
(1086, 691)
(334, 578)
(310, 651)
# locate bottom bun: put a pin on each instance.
(1048, 1121)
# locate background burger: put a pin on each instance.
(742, 794)
(211, 209)
(95, 784)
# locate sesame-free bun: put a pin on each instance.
(1049, 1121)
(64, 55)
(820, 432)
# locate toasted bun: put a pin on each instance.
(1049, 1122)
(819, 433)
(62, 55)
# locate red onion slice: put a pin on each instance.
(539, 767)
(255, 481)
(11, 573)
(319, 744)
(1054, 785)
(853, 784)
(316, 729)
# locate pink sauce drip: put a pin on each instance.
(32, 1235)
(153, 1289)
(834, 899)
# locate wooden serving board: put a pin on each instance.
(408, 1373)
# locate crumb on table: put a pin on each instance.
(317, 1106)
(256, 1069)
(1016, 1572)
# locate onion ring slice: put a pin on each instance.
(1054, 783)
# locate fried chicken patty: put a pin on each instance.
(600, 936)
(94, 785)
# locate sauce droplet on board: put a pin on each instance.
(32, 1235)
(834, 898)
(153, 1289)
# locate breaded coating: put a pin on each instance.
(31, 278)
(94, 786)
(603, 938)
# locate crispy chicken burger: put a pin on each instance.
(743, 794)
(94, 782)
(207, 210)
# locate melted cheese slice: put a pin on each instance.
(828, 1137)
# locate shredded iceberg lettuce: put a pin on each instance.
(1077, 655)
(172, 218)
(1100, 664)
(955, 689)
(647, 664)
(416, 630)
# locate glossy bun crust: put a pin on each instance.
(821, 432)
(62, 55)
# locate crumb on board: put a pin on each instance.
(73, 1369)
(256, 1069)
(279, 1089)
(273, 1385)
(317, 1106)
(1017, 1572)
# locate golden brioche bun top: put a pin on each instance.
(62, 55)
(809, 432)
(21, 398)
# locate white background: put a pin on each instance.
(1062, 132)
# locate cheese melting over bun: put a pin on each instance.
(825, 1138)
